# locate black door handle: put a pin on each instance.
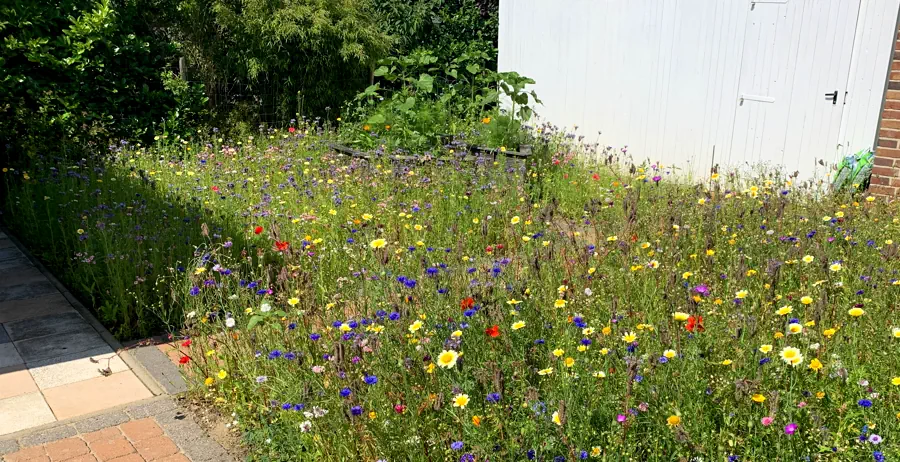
(832, 97)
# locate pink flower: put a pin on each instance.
(620, 418)
(766, 421)
(801, 404)
(790, 429)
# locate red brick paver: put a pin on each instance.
(27, 454)
(109, 449)
(66, 449)
(136, 441)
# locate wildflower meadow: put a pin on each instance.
(572, 305)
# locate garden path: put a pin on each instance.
(54, 362)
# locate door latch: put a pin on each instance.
(832, 97)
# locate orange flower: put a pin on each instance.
(476, 420)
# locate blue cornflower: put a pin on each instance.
(299, 407)
(290, 356)
(583, 455)
(469, 313)
(530, 454)
(764, 361)
(559, 459)
(493, 397)
(663, 360)
(864, 403)
(586, 341)
(456, 445)
(878, 456)
(371, 379)
(314, 336)
(274, 354)
(356, 410)
(286, 406)
(336, 324)
(292, 326)
(381, 313)
(394, 316)
(353, 324)
(194, 291)
(345, 392)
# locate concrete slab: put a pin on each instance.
(33, 307)
(25, 291)
(76, 367)
(4, 338)
(46, 325)
(24, 411)
(56, 346)
(15, 381)
(16, 264)
(10, 253)
(94, 395)
(161, 369)
(9, 356)
(24, 275)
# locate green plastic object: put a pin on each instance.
(854, 170)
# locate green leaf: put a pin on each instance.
(408, 104)
(381, 71)
(376, 119)
(425, 83)
(253, 322)
(453, 73)
(473, 68)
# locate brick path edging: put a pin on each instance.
(75, 435)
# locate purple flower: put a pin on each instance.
(790, 429)
(702, 289)
(194, 291)
(456, 445)
(621, 418)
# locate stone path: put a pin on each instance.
(150, 430)
(54, 363)
(70, 392)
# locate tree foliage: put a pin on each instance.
(79, 71)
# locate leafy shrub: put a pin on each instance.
(78, 71)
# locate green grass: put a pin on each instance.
(278, 236)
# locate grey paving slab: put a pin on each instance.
(8, 446)
(92, 424)
(6, 243)
(161, 369)
(46, 325)
(33, 307)
(15, 264)
(10, 253)
(23, 275)
(25, 291)
(54, 346)
(9, 356)
(152, 408)
(3, 337)
(48, 435)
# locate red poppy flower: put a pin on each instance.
(467, 303)
(499, 246)
(186, 343)
(694, 323)
(292, 129)
(489, 249)
(399, 408)
(258, 230)
(493, 331)
(596, 177)
(281, 245)
(215, 188)
(183, 360)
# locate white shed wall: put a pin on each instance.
(665, 77)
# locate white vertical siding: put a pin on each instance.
(665, 77)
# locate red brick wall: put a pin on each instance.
(886, 172)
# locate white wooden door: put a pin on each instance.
(794, 53)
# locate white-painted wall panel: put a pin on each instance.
(665, 77)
